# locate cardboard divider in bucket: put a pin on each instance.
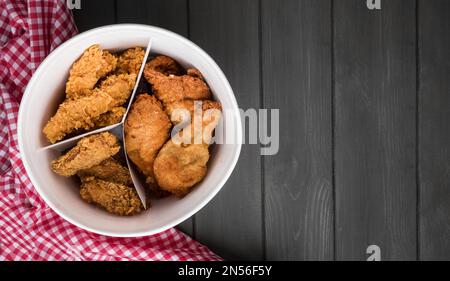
(118, 131)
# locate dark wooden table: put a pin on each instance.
(364, 99)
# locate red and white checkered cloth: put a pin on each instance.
(29, 229)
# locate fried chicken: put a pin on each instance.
(130, 61)
(165, 65)
(88, 152)
(171, 88)
(109, 170)
(76, 114)
(119, 87)
(115, 198)
(179, 167)
(85, 113)
(111, 117)
(93, 64)
(181, 163)
(146, 130)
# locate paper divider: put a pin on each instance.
(138, 185)
(63, 145)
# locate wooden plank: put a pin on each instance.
(231, 225)
(375, 112)
(170, 15)
(296, 57)
(94, 14)
(434, 129)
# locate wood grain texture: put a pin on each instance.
(434, 129)
(94, 14)
(375, 107)
(168, 14)
(296, 56)
(228, 30)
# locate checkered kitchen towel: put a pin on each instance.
(29, 229)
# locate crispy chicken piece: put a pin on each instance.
(119, 87)
(109, 170)
(179, 167)
(88, 152)
(130, 61)
(85, 113)
(93, 64)
(165, 65)
(146, 130)
(76, 114)
(115, 198)
(171, 88)
(111, 117)
(114, 116)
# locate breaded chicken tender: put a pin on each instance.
(119, 87)
(108, 170)
(146, 130)
(88, 152)
(172, 88)
(111, 117)
(86, 71)
(85, 113)
(130, 61)
(179, 167)
(77, 114)
(115, 198)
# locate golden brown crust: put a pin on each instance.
(146, 130)
(169, 87)
(108, 170)
(93, 64)
(88, 152)
(85, 113)
(111, 117)
(78, 114)
(130, 61)
(115, 198)
(119, 87)
(194, 72)
(177, 168)
(165, 65)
